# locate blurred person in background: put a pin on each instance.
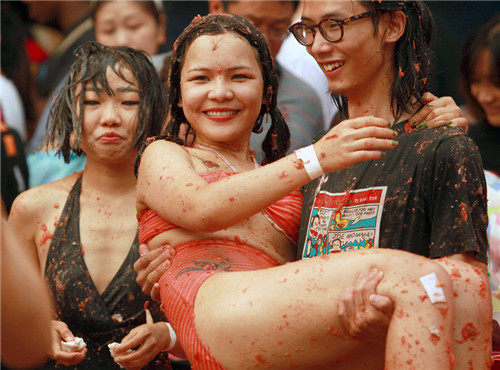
(481, 82)
(16, 97)
(140, 25)
(297, 60)
(72, 19)
(14, 174)
(480, 69)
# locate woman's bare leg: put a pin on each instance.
(473, 315)
(287, 316)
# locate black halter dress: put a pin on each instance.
(97, 318)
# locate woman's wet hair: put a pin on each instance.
(277, 140)
(486, 36)
(412, 54)
(92, 61)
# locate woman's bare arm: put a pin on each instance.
(26, 308)
(169, 185)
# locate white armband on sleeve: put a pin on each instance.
(310, 160)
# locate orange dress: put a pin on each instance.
(197, 260)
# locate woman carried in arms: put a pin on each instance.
(230, 294)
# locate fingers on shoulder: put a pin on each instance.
(369, 121)
(374, 128)
(428, 96)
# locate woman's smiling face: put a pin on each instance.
(221, 88)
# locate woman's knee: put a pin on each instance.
(410, 273)
(470, 286)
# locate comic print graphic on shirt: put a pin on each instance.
(340, 222)
(435, 203)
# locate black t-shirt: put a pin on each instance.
(426, 196)
(487, 138)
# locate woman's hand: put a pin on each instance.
(150, 266)
(365, 314)
(439, 112)
(60, 331)
(354, 140)
(141, 345)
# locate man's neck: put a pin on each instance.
(374, 102)
(377, 105)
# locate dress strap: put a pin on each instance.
(221, 156)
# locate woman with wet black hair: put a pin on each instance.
(82, 230)
(277, 140)
(94, 60)
(231, 294)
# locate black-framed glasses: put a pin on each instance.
(331, 29)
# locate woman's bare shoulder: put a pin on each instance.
(163, 145)
(39, 198)
(166, 152)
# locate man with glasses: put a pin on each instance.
(428, 195)
(297, 100)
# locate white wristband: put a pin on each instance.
(311, 164)
(173, 337)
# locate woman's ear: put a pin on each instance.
(396, 27)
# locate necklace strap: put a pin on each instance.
(221, 156)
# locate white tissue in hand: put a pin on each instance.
(111, 347)
(74, 345)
